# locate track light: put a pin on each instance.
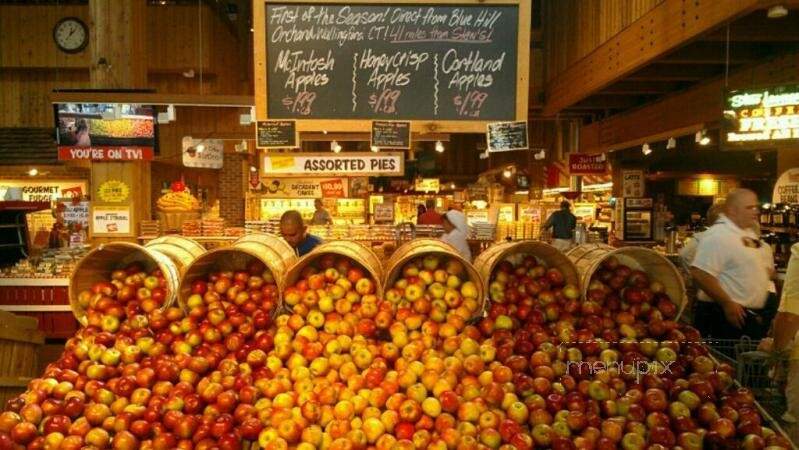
(646, 149)
(452, 186)
(671, 143)
(776, 12)
(253, 169)
(33, 172)
(334, 145)
(540, 155)
(702, 138)
(758, 157)
(507, 173)
(439, 147)
(375, 148)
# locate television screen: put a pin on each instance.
(106, 131)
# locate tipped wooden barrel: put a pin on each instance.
(275, 253)
(588, 259)
(171, 254)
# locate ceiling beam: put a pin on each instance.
(683, 112)
(663, 29)
(639, 88)
(715, 53)
(759, 28)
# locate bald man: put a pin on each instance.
(294, 231)
(733, 274)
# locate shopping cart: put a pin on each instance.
(760, 370)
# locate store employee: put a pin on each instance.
(294, 231)
(731, 270)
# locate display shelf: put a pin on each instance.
(33, 281)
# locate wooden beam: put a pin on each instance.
(683, 112)
(238, 101)
(639, 88)
(668, 72)
(715, 53)
(660, 31)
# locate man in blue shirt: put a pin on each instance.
(562, 223)
(294, 231)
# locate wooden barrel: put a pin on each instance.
(98, 264)
(357, 253)
(543, 252)
(275, 253)
(417, 248)
(20, 342)
(589, 257)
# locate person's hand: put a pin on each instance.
(734, 313)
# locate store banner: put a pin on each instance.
(106, 153)
(40, 191)
(427, 185)
(768, 114)
(203, 153)
(334, 164)
(587, 164)
(304, 187)
(787, 188)
(110, 221)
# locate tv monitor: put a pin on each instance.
(123, 131)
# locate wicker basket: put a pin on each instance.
(271, 250)
(172, 221)
(588, 258)
(419, 248)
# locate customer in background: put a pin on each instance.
(294, 231)
(430, 216)
(420, 209)
(688, 252)
(563, 223)
(731, 269)
(786, 333)
(320, 216)
(456, 232)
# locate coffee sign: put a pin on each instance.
(762, 115)
(335, 164)
(587, 164)
(787, 188)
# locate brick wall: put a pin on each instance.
(231, 189)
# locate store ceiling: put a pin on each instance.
(752, 39)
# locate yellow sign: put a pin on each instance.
(113, 191)
(282, 162)
(427, 185)
(757, 115)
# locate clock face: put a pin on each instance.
(71, 35)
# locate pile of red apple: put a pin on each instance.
(340, 368)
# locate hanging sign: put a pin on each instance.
(203, 153)
(76, 212)
(753, 116)
(113, 191)
(506, 136)
(67, 153)
(587, 164)
(40, 191)
(427, 185)
(304, 187)
(276, 134)
(632, 183)
(384, 212)
(334, 164)
(392, 134)
(110, 220)
(787, 188)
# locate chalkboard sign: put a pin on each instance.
(391, 134)
(391, 61)
(276, 134)
(507, 136)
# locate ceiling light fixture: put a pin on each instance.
(253, 169)
(671, 143)
(452, 186)
(646, 149)
(335, 146)
(540, 155)
(33, 172)
(507, 173)
(702, 138)
(375, 148)
(758, 157)
(439, 147)
(776, 12)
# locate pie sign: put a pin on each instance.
(113, 191)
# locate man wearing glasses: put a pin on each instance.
(732, 270)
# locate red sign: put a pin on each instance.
(587, 164)
(106, 153)
(332, 188)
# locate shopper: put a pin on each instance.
(688, 252)
(321, 216)
(456, 232)
(730, 269)
(430, 216)
(786, 333)
(294, 231)
(563, 223)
